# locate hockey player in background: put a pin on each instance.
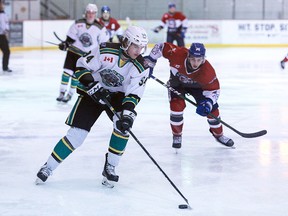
(190, 73)
(110, 23)
(117, 73)
(283, 62)
(176, 23)
(85, 34)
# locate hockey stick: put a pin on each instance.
(70, 47)
(51, 43)
(57, 37)
(245, 135)
(148, 154)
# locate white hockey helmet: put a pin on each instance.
(91, 8)
(136, 35)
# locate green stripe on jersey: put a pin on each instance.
(109, 51)
(131, 100)
(80, 73)
(138, 65)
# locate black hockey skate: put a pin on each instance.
(7, 70)
(60, 97)
(177, 141)
(282, 64)
(66, 98)
(43, 174)
(225, 141)
(109, 174)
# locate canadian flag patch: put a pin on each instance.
(108, 59)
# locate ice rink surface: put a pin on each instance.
(251, 180)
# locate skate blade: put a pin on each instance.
(232, 147)
(38, 181)
(107, 183)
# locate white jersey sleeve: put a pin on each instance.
(4, 23)
(72, 32)
(119, 31)
(103, 36)
(136, 86)
(185, 23)
(90, 60)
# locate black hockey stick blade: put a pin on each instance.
(253, 135)
(245, 135)
(57, 37)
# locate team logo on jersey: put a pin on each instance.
(85, 39)
(108, 59)
(111, 78)
(184, 79)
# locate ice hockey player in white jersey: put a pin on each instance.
(85, 34)
(115, 72)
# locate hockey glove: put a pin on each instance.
(97, 92)
(157, 29)
(120, 38)
(204, 107)
(183, 32)
(63, 45)
(126, 120)
(150, 62)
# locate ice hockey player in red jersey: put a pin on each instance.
(177, 25)
(190, 73)
(110, 23)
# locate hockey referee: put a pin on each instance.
(4, 43)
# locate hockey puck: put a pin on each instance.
(183, 206)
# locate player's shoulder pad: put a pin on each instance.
(139, 63)
(113, 19)
(111, 48)
(179, 14)
(80, 21)
(98, 24)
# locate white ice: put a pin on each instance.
(251, 180)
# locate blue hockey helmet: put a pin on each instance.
(105, 9)
(197, 50)
(171, 4)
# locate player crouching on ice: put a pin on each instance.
(190, 73)
(115, 73)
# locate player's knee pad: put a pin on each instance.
(76, 136)
(177, 104)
